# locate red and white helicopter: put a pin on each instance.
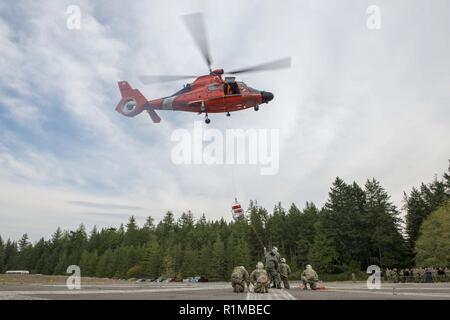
(206, 94)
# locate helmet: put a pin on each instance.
(308, 266)
(259, 265)
(275, 249)
(283, 260)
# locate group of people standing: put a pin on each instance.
(275, 273)
(418, 274)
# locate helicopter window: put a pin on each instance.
(245, 88)
(185, 89)
(230, 88)
(213, 87)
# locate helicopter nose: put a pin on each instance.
(266, 96)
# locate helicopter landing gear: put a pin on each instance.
(228, 114)
(203, 109)
(256, 108)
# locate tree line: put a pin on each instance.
(358, 226)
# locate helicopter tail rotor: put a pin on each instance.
(133, 101)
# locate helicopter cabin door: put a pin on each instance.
(232, 94)
(215, 97)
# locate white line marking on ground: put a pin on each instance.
(81, 291)
(274, 294)
(418, 294)
(390, 288)
(14, 296)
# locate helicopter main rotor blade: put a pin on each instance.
(158, 79)
(196, 25)
(272, 65)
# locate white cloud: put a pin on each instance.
(356, 103)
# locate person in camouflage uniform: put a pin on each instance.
(260, 279)
(401, 275)
(309, 276)
(275, 249)
(387, 275)
(272, 263)
(395, 276)
(285, 270)
(428, 275)
(239, 277)
(415, 274)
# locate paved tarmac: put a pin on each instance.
(222, 291)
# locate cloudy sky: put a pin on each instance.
(357, 103)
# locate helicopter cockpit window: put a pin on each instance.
(213, 87)
(185, 89)
(231, 88)
(245, 88)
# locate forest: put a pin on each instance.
(358, 226)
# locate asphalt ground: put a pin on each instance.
(222, 291)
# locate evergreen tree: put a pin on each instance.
(276, 224)
(185, 228)
(434, 194)
(165, 230)
(420, 203)
(176, 252)
(242, 255)
(88, 263)
(258, 235)
(2, 255)
(23, 242)
(121, 262)
(94, 239)
(218, 268)
(387, 247)
(151, 265)
(33, 255)
(447, 182)
(132, 233)
(416, 211)
(324, 256)
(76, 243)
(344, 220)
(306, 232)
(147, 231)
(43, 264)
(205, 260)
(105, 265)
(63, 263)
(149, 223)
(296, 246)
(10, 255)
(190, 264)
(23, 261)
